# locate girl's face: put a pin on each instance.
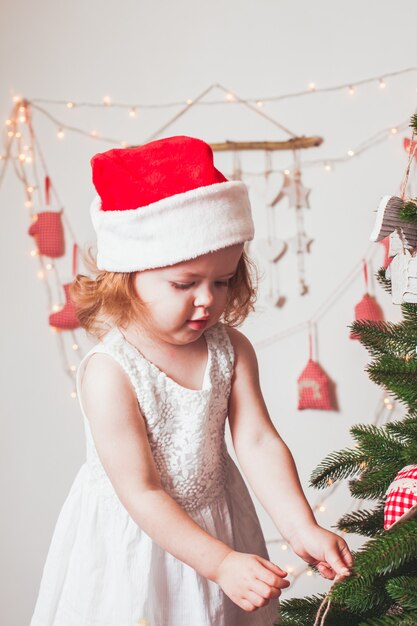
(186, 291)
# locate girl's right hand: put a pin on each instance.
(250, 580)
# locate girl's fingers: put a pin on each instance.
(265, 590)
(326, 571)
(274, 568)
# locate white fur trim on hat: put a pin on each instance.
(174, 229)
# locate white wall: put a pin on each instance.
(155, 52)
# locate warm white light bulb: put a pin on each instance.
(75, 346)
(106, 100)
(394, 131)
(73, 368)
(41, 275)
(17, 99)
(10, 133)
(351, 89)
(70, 105)
(60, 133)
(327, 167)
(312, 86)
(189, 101)
(28, 204)
(22, 157)
(230, 97)
(287, 172)
(284, 546)
(351, 153)
(18, 134)
(33, 253)
(309, 573)
(8, 122)
(93, 133)
(49, 266)
(73, 394)
(132, 112)
(29, 159)
(322, 508)
(259, 103)
(382, 83)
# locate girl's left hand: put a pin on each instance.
(324, 549)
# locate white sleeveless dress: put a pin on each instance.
(101, 568)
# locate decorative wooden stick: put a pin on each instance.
(296, 143)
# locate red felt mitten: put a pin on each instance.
(66, 318)
(48, 232)
(401, 501)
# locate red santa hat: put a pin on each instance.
(164, 202)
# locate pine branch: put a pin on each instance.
(383, 280)
(409, 212)
(405, 430)
(409, 313)
(387, 552)
(368, 523)
(302, 611)
(337, 465)
(408, 618)
(413, 122)
(373, 483)
(378, 445)
(386, 337)
(398, 376)
(403, 590)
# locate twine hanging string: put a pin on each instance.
(319, 621)
(365, 274)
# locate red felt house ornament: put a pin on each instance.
(368, 308)
(401, 497)
(315, 389)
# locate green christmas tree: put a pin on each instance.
(383, 587)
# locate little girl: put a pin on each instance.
(159, 528)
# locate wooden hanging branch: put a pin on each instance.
(295, 143)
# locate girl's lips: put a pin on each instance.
(197, 324)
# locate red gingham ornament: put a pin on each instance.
(315, 387)
(401, 501)
(368, 308)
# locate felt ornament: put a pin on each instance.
(48, 233)
(410, 146)
(368, 308)
(401, 497)
(387, 259)
(402, 272)
(388, 220)
(315, 387)
(66, 318)
(292, 187)
(271, 249)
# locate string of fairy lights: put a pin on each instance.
(22, 149)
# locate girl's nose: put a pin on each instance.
(204, 297)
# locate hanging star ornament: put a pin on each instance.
(292, 187)
(300, 243)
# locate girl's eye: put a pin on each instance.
(222, 283)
